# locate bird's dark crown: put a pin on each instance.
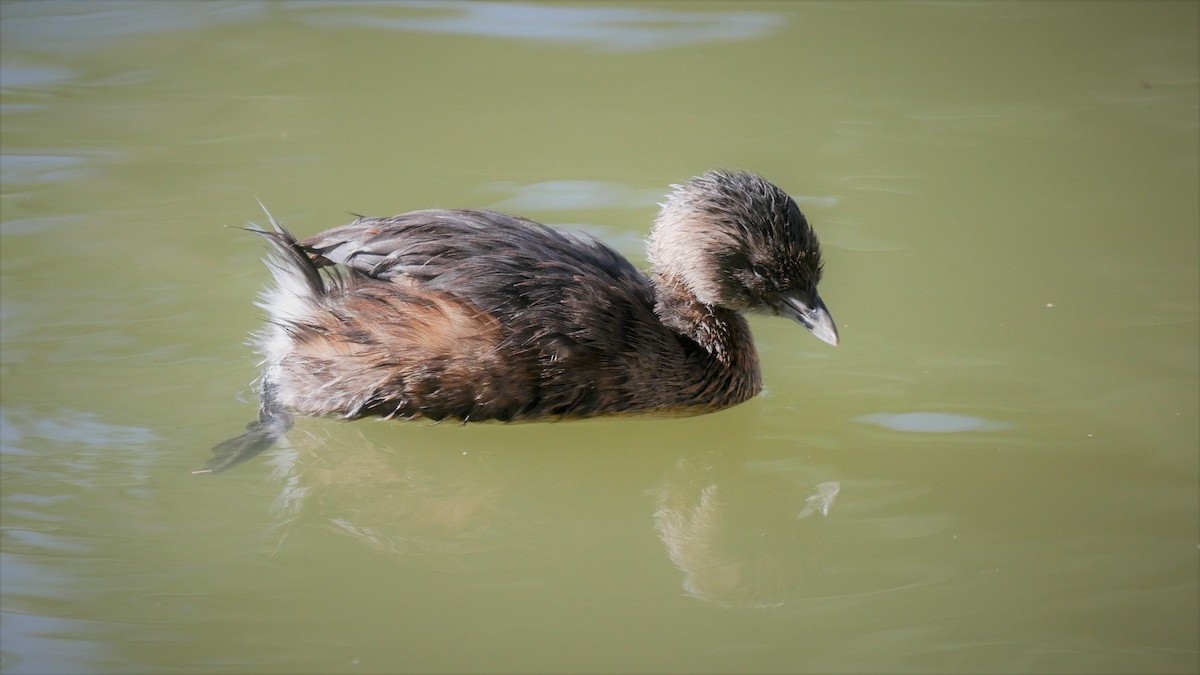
(736, 241)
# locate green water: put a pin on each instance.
(1008, 197)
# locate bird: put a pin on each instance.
(475, 315)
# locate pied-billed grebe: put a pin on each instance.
(477, 315)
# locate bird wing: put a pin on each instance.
(424, 245)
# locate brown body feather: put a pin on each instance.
(476, 315)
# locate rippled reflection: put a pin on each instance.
(613, 28)
(735, 548)
(563, 195)
(54, 464)
(932, 423)
(432, 510)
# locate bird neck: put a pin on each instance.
(722, 333)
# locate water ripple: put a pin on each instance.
(610, 29)
(932, 422)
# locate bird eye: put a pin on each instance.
(759, 280)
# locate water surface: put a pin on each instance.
(995, 472)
